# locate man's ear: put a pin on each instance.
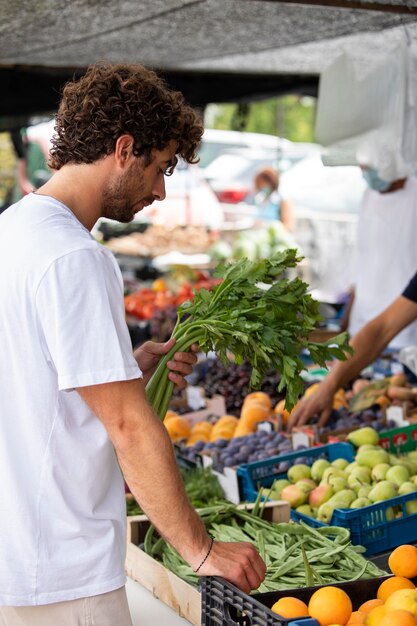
(123, 152)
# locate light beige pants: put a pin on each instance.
(107, 609)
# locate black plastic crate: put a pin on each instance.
(223, 604)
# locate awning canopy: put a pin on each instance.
(213, 50)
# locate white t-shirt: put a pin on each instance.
(386, 256)
(62, 326)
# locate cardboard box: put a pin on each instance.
(180, 596)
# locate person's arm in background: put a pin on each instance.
(367, 344)
(344, 324)
(287, 215)
(25, 186)
(147, 460)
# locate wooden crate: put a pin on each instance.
(182, 597)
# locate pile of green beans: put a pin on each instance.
(296, 555)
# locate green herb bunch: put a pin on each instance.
(255, 313)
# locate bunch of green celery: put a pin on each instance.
(255, 313)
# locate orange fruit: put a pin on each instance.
(398, 618)
(375, 615)
(370, 604)
(290, 607)
(224, 433)
(252, 413)
(170, 414)
(226, 420)
(405, 599)
(178, 428)
(394, 583)
(193, 438)
(259, 396)
(202, 427)
(330, 605)
(356, 619)
(403, 561)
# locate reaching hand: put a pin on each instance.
(318, 403)
(149, 354)
(239, 563)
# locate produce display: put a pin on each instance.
(394, 604)
(374, 476)
(295, 554)
(254, 244)
(254, 313)
(201, 486)
(158, 240)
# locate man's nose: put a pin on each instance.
(159, 189)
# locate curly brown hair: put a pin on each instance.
(110, 100)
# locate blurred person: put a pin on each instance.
(270, 204)
(74, 413)
(367, 344)
(387, 232)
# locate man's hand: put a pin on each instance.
(239, 563)
(149, 354)
(318, 403)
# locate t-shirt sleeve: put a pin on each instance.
(410, 292)
(82, 320)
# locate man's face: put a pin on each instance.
(128, 193)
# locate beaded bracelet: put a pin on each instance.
(206, 557)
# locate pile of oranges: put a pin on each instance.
(256, 408)
(395, 603)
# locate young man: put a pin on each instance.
(74, 410)
(367, 345)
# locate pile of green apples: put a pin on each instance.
(374, 476)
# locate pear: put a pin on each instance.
(332, 471)
(380, 471)
(397, 474)
(338, 483)
(320, 495)
(390, 514)
(297, 472)
(350, 467)
(360, 502)
(306, 485)
(340, 463)
(363, 436)
(325, 512)
(318, 468)
(366, 447)
(358, 476)
(407, 487)
(411, 507)
(343, 499)
(383, 490)
(278, 486)
(363, 491)
(305, 509)
(294, 495)
(370, 458)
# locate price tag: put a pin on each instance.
(301, 438)
(266, 427)
(195, 400)
(396, 415)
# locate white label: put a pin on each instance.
(300, 439)
(228, 480)
(396, 414)
(195, 400)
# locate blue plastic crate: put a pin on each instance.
(369, 526)
(253, 476)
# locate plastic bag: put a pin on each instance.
(367, 113)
